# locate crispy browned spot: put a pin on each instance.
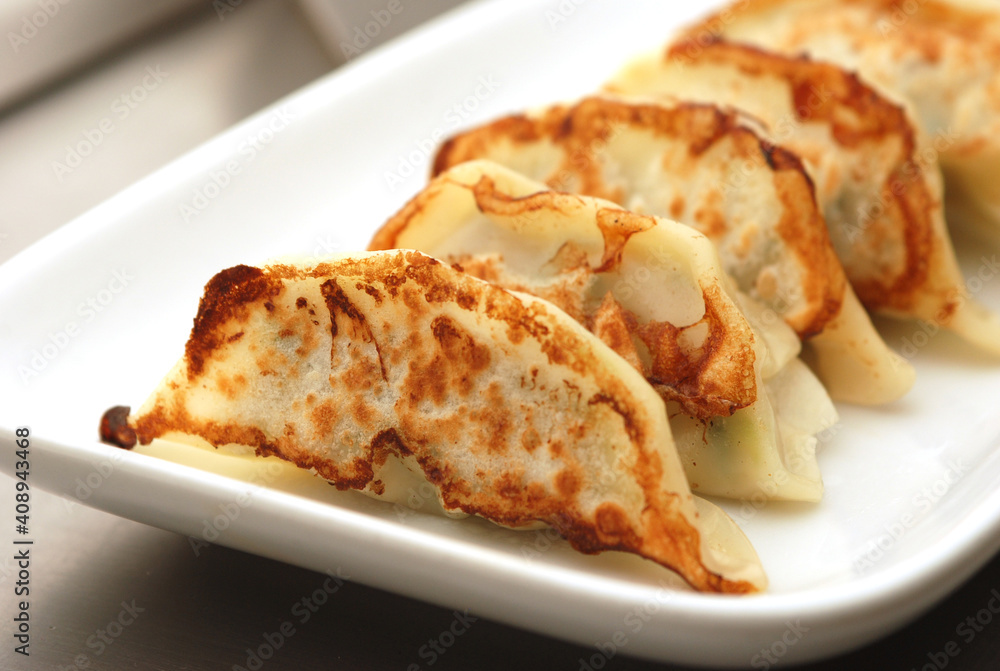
(323, 417)
(677, 208)
(617, 226)
(388, 442)
(612, 523)
(230, 386)
(450, 368)
(373, 292)
(820, 91)
(114, 428)
(338, 303)
(226, 296)
(614, 325)
(909, 207)
(679, 373)
(824, 284)
(459, 346)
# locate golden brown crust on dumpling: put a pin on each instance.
(860, 117)
(581, 131)
(509, 408)
(712, 380)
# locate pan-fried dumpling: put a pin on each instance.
(507, 406)
(708, 168)
(939, 55)
(654, 291)
(881, 197)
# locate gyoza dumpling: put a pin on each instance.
(507, 406)
(654, 290)
(709, 168)
(881, 197)
(939, 55)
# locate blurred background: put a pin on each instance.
(95, 95)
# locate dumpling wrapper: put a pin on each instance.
(506, 405)
(881, 196)
(709, 168)
(654, 291)
(939, 56)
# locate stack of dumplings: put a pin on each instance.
(878, 188)
(743, 409)
(714, 170)
(597, 312)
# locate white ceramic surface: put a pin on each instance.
(96, 313)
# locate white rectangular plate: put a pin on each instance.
(95, 314)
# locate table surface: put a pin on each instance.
(109, 593)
